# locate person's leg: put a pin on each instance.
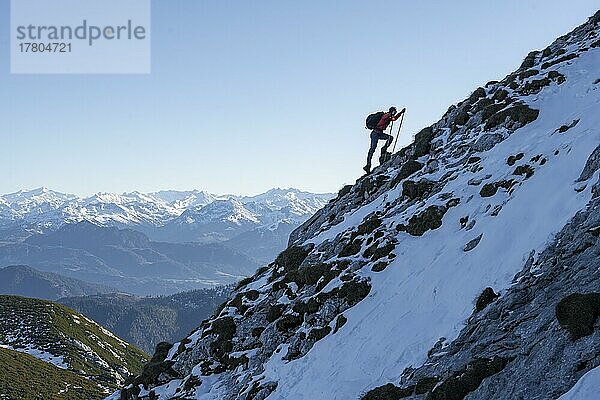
(388, 141)
(374, 140)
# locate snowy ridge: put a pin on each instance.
(46, 209)
(385, 277)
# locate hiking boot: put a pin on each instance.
(385, 157)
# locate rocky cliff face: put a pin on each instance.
(463, 268)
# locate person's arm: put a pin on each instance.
(397, 116)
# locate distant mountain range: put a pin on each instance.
(127, 260)
(147, 321)
(148, 244)
(44, 209)
(25, 281)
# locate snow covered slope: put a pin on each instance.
(375, 295)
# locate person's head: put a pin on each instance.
(393, 111)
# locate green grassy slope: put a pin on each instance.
(87, 349)
(24, 377)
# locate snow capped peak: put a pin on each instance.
(50, 209)
(185, 198)
(230, 209)
(39, 195)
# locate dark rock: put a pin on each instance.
(488, 190)
(319, 333)
(483, 103)
(422, 144)
(292, 257)
(311, 274)
(496, 210)
(557, 76)
(559, 60)
(476, 95)
(463, 382)
(344, 191)
(224, 327)
(529, 61)
(577, 313)
(191, 382)
(500, 95)
(339, 322)
(256, 332)
(351, 248)
(244, 282)
(537, 85)
(309, 307)
(388, 392)
(453, 202)
(252, 294)
(491, 110)
(416, 190)
(461, 118)
(260, 391)
(406, 170)
(274, 312)
(429, 219)
(181, 348)
(353, 292)
(473, 243)
(520, 113)
(369, 225)
(289, 322)
(425, 385)
(565, 128)
(380, 266)
(237, 302)
(485, 298)
(157, 366)
(591, 165)
(473, 160)
(513, 159)
(528, 74)
(524, 170)
(375, 253)
(463, 221)
(547, 52)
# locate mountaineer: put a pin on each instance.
(378, 123)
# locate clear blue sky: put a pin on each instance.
(249, 95)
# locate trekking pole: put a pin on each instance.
(398, 134)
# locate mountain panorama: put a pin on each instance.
(465, 267)
(148, 244)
